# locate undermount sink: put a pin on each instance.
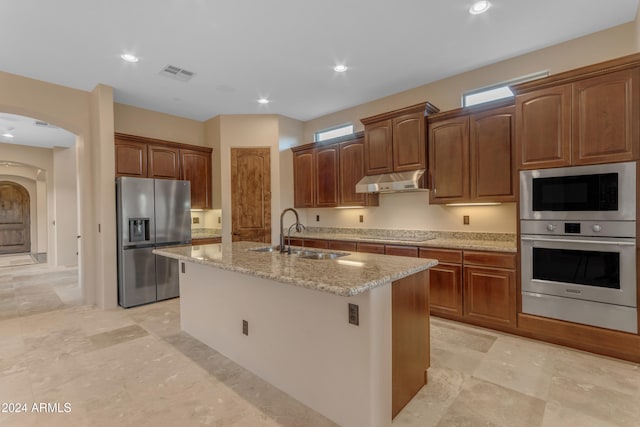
(265, 249)
(323, 255)
(302, 253)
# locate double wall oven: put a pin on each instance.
(578, 241)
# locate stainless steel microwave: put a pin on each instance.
(593, 192)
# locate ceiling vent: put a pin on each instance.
(177, 73)
(44, 124)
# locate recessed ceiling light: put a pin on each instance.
(479, 7)
(263, 101)
(129, 57)
(7, 135)
(341, 68)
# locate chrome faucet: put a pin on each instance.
(299, 228)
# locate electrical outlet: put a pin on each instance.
(465, 219)
(354, 316)
(317, 217)
(245, 327)
(361, 218)
(196, 220)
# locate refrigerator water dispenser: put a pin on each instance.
(139, 230)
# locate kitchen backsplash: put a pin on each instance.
(201, 219)
(412, 211)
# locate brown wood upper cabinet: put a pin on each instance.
(325, 175)
(585, 116)
(395, 141)
(131, 157)
(152, 158)
(163, 162)
(471, 155)
(196, 168)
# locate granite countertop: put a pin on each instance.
(499, 242)
(345, 276)
(205, 233)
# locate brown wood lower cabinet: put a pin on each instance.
(410, 338)
(445, 281)
(490, 288)
(473, 286)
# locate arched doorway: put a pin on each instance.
(14, 218)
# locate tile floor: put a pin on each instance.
(136, 368)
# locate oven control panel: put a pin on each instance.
(579, 228)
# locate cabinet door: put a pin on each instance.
(605, 125)
(449, 160)
(303, 179)
(492, 156)
(409, 142)
(131, 158)
(195, 166)
(445, 281)
(543, 128)
(351, 159)
(163, 162)
(490, 295)
(446, 289)
(378, 152)
(326, 167)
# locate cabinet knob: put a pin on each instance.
(597, 228)
(551, 227)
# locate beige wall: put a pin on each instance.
(212, 138)
(446, 94)
(65, 206)
(152, 124)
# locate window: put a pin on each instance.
(497, 91)
(334, 132)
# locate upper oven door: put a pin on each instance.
(594, 192)
(589, 268)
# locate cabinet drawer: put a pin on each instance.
(342, 246)
(294, 242)
(490, 259)
(372, 248)
(320, 244)
(442, 255)
(398, 250)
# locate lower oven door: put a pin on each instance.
(592, 269)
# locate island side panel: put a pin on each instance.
(410, 330)
(298, 339)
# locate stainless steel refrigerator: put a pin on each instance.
(150, 213)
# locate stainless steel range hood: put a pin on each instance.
(392, 182)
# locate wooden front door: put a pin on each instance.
(251, 194)
(14, 218)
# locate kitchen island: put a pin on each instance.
(348, 337)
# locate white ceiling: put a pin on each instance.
(282, 49)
